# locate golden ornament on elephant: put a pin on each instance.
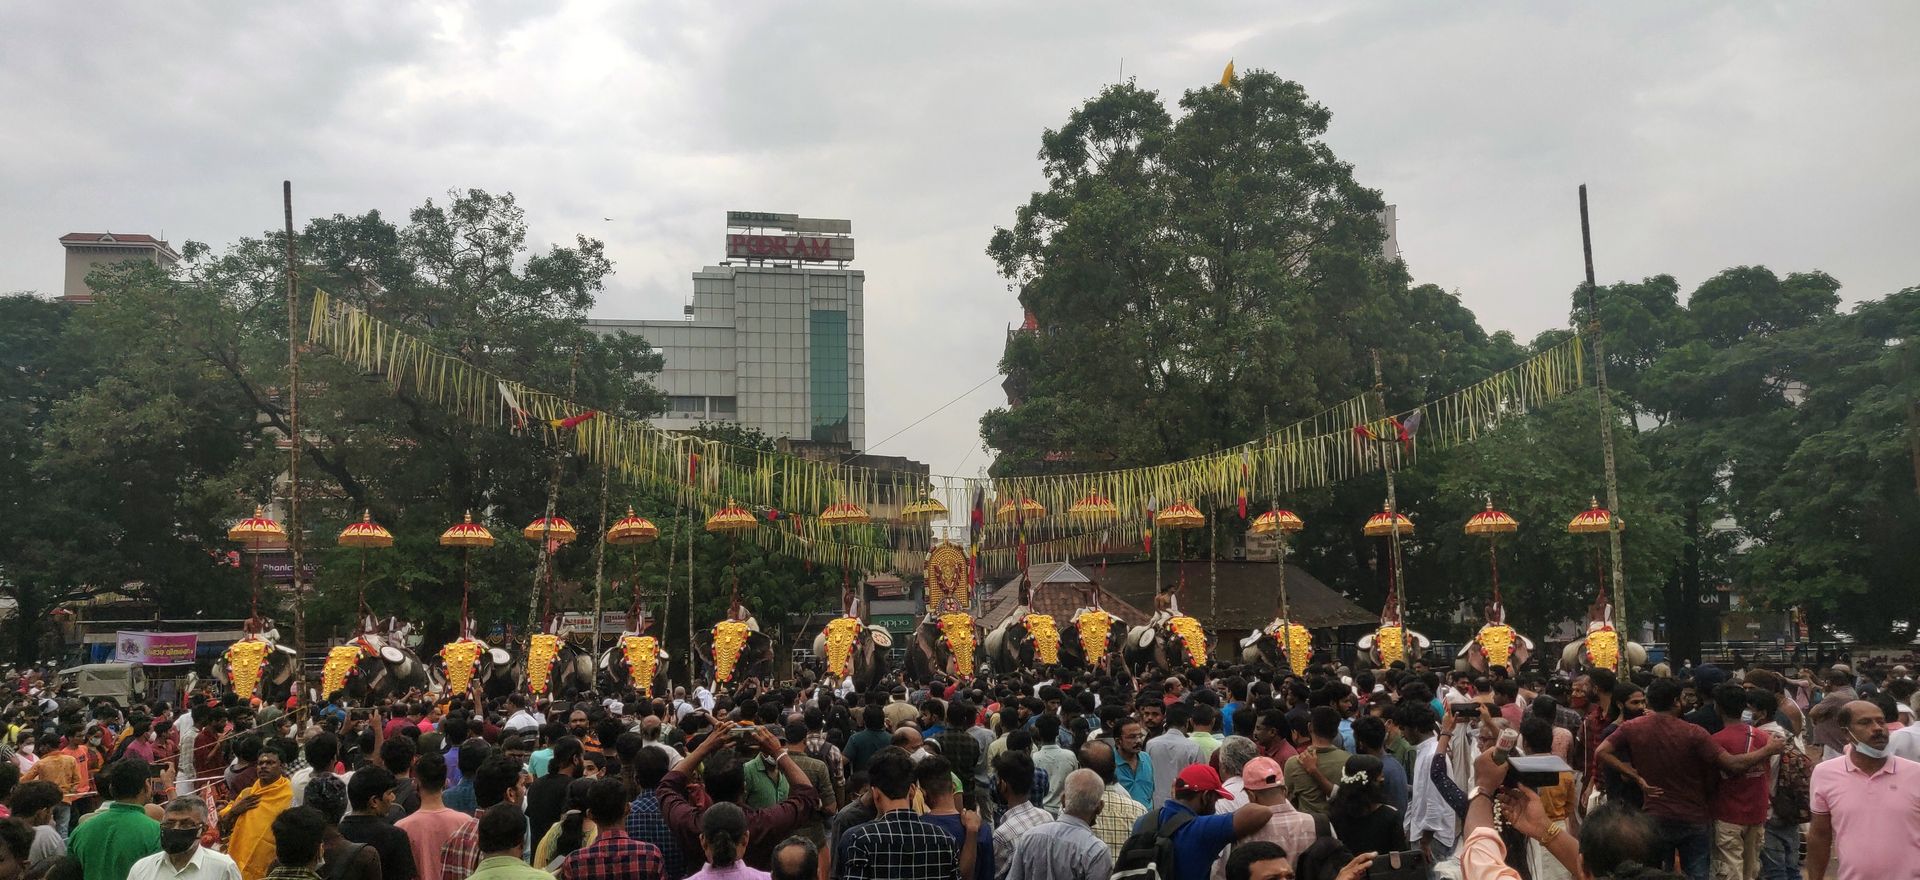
(643, 656)
(1299, 642)
(957, 628)
(542, 648)
(340, 662)
(1391, 642)
(1046, 637)
(1193, 635)
(1096, 627)
(462, 659)
(841, 633)
(1603, 649)
(246, 661)
(1496, 641)
(729, 639)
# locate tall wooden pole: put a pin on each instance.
(293, 428)
(1397, 594)
(599, 564)
(1606, 420)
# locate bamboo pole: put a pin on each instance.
(599, 565)
(294, 544)
(1606, 421)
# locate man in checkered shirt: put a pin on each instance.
(898, 845)
(612, 855)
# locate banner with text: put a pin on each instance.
(155, 649)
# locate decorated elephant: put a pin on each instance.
(1170, 640)
(383, 663)
(468, 662)
(557, 664)
(277, 663)
(1281, 643)
(635, 646)
(944, 644)
(1495, 644)
(1392, 642)
(867, 652)
(1091, 637)
(1025, 640)
(1602, 646)
(752, 656)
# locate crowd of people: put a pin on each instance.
(1222, 773)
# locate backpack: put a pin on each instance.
(1147, 853)
(1792, 791)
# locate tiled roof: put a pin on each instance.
(110, 238)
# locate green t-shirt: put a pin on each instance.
(108, 844)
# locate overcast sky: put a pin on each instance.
(1712, 135)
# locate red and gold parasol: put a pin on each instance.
(365, 535)
(466, 535)
(1277, 522)
(1093, 506)
(923, 509)
(631, 530)
(257, 529)
(845, 513)
(1490, 523)
(1595, 520)
(555, 529)
(732, 518)
(1388, 522)
(1180, 515)
(1027, 508)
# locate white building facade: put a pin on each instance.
(772, 341)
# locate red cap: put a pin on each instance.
(1200, 777)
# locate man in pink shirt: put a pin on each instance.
(1866, 804)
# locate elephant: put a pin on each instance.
(869, 660)
(756, 657)
(1073, 651)
(1633, 655)
(929, 655)
(387, 664)
(1155, 646)
(1263, 646)
(276, 681)
(1414, 644)
(615, 676)
(1010, 646)
(1473, 655)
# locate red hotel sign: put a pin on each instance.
(789, 247)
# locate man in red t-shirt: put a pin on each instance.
(1676, 764)
(1741, 802)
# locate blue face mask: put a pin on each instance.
(1869, 751)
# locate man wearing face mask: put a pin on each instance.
(1863, 804)
(181, 826)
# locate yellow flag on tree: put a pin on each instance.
(1226, 77)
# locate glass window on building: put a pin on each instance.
(722, 407)
(828, 391)
(684, 405)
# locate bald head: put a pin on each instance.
(1864, 723)
(1097, 756)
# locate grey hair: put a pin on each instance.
(1235, 752)
(1082, 794)
(187, 803)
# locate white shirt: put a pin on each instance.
(704, 697)
(525, 720)
(1904, 742)
(205, 865)
(1428, 811)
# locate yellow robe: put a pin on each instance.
(251, 843)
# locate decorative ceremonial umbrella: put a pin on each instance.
(1026, 507)
(923, 509)
(549, 532)
(1181, 517)
(845, 513)
(256, 531)
(1596, 521)
(732, 520)
(1279, 523)
(1491, 524)
(466, 535)
(1093, 506)
(633, 530)
(365, 535)
(1391, 524)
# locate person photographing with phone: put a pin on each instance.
(725, 781)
